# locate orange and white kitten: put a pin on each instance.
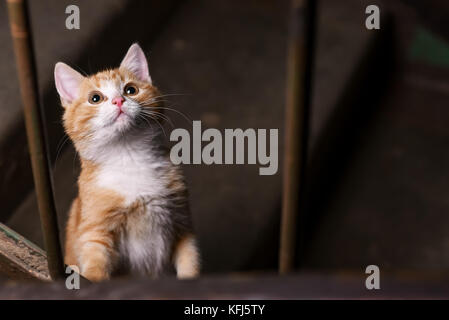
(131, 214)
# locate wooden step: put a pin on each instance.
(21, 259)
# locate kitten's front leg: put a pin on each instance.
(96, 258)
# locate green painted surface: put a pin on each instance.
(429, 48)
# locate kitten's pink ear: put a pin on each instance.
(67, 82)
(136, 62)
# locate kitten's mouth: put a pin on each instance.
(120, 115)
(120, 118)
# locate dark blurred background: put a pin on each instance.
(377, 177)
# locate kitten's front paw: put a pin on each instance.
(186, 274)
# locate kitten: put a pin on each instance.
(131, 214)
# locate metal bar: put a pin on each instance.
(299, 67)
(23, 49)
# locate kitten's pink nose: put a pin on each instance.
(118, 101)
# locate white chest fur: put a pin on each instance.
(131, 181)
(131, 172)
(135, 174)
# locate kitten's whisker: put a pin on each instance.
(64, 140)
(189, 120)
(157, 114)
(179, 112)
(145, 119)
(154, 119)
(162, 128)
(81, 71)
(166, 118)
(73, 162)
(150, 101)
(172, 94)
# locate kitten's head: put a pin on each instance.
(106, 106)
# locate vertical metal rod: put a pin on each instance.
(23, 49)
(298, 93)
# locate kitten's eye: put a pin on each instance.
(131, 89)
(95, 97)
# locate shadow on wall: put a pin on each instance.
(340, 138)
